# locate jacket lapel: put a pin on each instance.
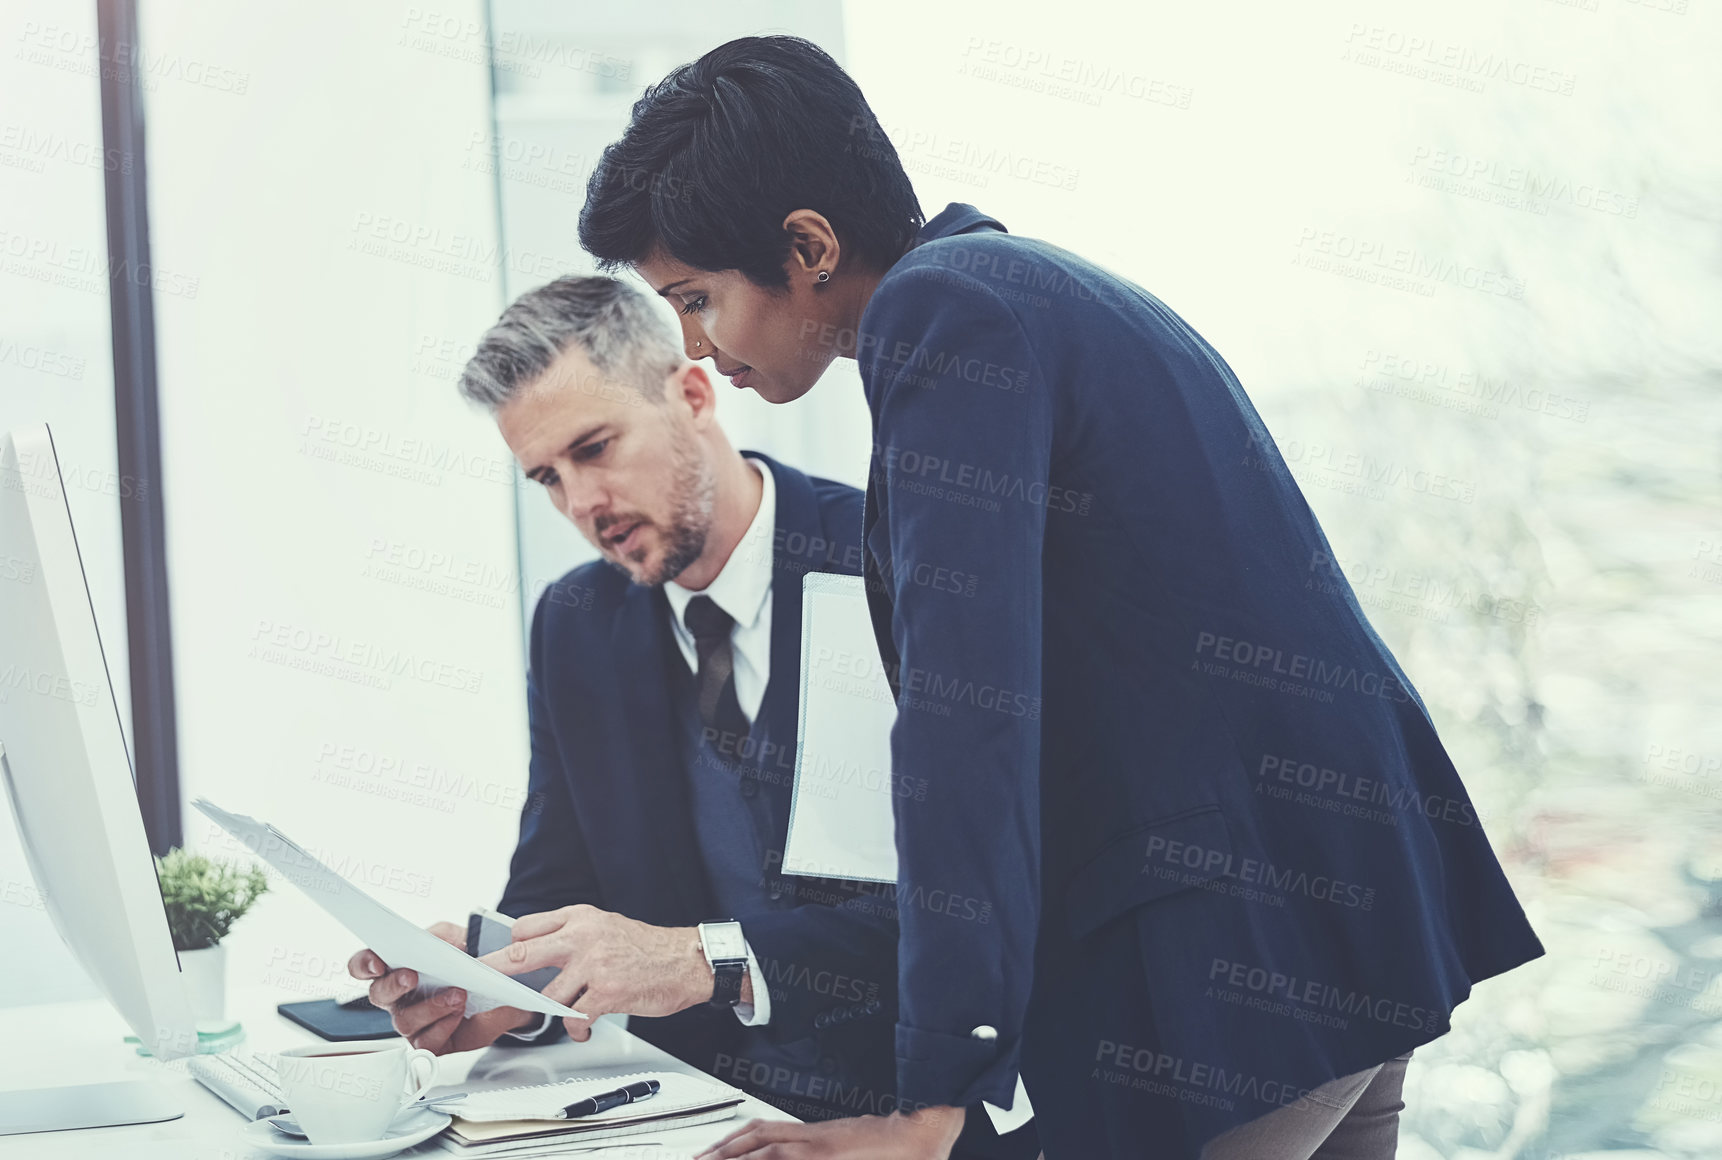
(655, 775)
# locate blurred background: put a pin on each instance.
(1464, 256)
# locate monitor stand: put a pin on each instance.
(94, 1105)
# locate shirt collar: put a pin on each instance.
(744, 581)
(957, 218)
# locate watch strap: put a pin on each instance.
(727, 975)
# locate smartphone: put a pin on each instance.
(487, 930)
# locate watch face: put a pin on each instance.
(723, 941)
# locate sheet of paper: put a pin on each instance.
(840, 821)
(398, 942)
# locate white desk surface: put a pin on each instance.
(77, 1043)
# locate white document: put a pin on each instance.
(397, 942)
(840, 819)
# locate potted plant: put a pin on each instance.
(204, 898)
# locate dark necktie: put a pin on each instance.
(715, 680)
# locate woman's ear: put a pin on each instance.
(813, 244)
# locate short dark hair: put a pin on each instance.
(720, 151)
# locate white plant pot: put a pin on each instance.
(204, 973)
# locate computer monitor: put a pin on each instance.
(69, 782)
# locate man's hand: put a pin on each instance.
(435, 1022)
(928, 1134)
(609, 964)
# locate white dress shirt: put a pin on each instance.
(741, 588)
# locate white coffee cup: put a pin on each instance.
(349, 1093)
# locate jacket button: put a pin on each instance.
(828, 1065)
(821, 1021)
(984, 1032)
(749, 787)
(874, 1007)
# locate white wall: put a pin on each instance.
(56, 367)
(334, 510)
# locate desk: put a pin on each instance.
(71, 1043)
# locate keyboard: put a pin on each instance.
(244, 1080)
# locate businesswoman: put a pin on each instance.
(1219, 875)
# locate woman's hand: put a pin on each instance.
(928, 1134)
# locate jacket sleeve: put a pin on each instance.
(961, 462)
(551, 867)
(826, 964)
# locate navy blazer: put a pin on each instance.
(609, 820)
(1221, 855)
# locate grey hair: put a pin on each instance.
(617, 326)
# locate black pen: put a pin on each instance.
(592, 1105)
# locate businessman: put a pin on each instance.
(1235, 877)
(662, 700)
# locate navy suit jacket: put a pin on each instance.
(1221, 853)
(609, 818)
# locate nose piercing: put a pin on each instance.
(825, 275)
(697, 345)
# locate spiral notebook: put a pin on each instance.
(506, 1115)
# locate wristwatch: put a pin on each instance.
(726, 950)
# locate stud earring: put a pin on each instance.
(824, 275)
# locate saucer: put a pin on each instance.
(415, 1128)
